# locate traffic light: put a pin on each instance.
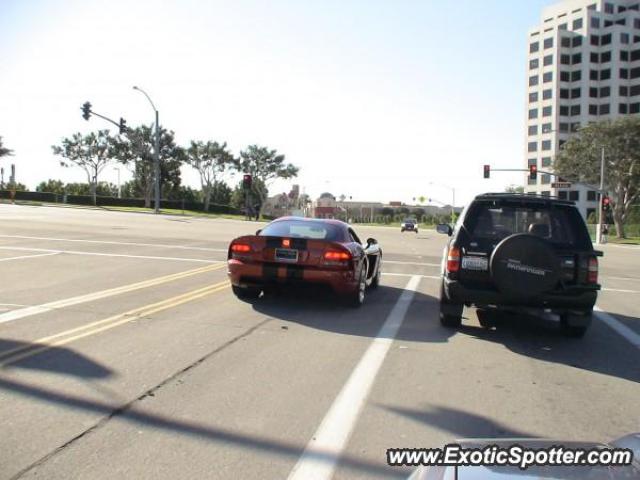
(123, 126)
(533, 172)
(86, 110)
(247, 180)
(487, 171)
(606, 203)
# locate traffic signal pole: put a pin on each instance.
(600, 209)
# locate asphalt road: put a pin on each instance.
(124, 354)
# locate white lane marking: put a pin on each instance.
(68, 302)
(74, 252)
(626, 279)
(324, 449)
(107, 242)
(618, 290)
(433, 277)
(22, 257)
(412, 263)
(618, 326)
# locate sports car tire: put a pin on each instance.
(246, 293)
(356, 299)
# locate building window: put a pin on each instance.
(533, 113)
(577, 24)
(575, 93)
(634, 73)
(605, 109)
(533, 97)
(565, 77)
(547, 77)
(605, 39)
(546, 127)
(574, 195)
(563, 127)
(546, 145)
(636, 23)
(605, 92)
(565, 42)
(548, 60)
(534, 47)
(562, 194)
(593, 75)
(635, 55)
(532, 147)
(634, 108)
(595, 40)
(605, 57)
(634, 91)
(564, 111)
(576, 58)
(624, 73)
(547, 94)
(546, 161)
(575, 110)
(533, 80)
(593, 110)
(608, 8)
(624, 56)
(591, 196)
(594, 57)
(564, 93)
(531, 181)
(593, 92)
(532, 161)
(547, 111)
(562, 26)
(545, 179)
(577, 41)
(533, 130)
(605, 74)
(533, 64)
(576, 76)
(548, 43)
(595, 22)
(623, 109)
(575, 127)
(624, 38)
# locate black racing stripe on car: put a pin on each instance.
(270, 271)
(295, 272)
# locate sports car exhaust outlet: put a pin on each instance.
(523, 266)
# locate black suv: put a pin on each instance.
(522, 253)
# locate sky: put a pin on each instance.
(376, 100)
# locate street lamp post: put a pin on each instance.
(156, 152)
(453, 202)
(119, 189)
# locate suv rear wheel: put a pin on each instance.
(450, 313)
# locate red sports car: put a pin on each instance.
(304, 251)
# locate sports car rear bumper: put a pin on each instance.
(254, 274)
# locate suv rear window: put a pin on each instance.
(559, 224)
(304, 229)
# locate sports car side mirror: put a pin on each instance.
(258, 232)
(444, 228)
(372, 241)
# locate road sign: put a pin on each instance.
(561, 185)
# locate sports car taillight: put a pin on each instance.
(592, 272)
(240, 248)
(453, 259)
(337, 256)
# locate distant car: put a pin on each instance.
(520, 253)
(293, 251)
(409, 225)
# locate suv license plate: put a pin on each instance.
(475, 263)
(286, 255)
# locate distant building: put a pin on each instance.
(326, 206)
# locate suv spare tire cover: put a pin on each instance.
(524, 265)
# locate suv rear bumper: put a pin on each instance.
(574, 298)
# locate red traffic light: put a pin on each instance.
(533, 172)
(247, 180)
(487, 171)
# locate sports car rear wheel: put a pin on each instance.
(246, 293)
(356, 299)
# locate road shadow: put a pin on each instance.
(459, 423)
(322, 310)
(601, 350)
(15, 354)
(132, 413)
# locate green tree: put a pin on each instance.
(221, 193)
(4, 151)
(136, 151)
(91, 152)
(258, 193)
(264, 165)
(579, 160)
(210, 159)
(51, 186)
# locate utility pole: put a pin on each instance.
(156, 151)
(600, 212)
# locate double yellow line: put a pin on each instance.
(47, 343)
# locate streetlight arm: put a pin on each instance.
(148, 97)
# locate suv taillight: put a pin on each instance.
(453, 259)
(592, 271)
